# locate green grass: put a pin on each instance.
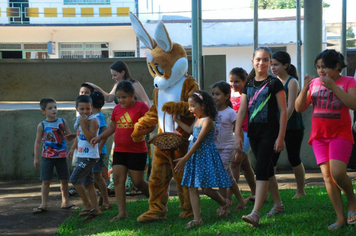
(304, 216)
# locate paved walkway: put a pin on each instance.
(17, 198)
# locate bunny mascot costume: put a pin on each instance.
(168, 65)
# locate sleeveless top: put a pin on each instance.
(54, 144)
(296, 119)
(85, 149)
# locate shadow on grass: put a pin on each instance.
(304, 216)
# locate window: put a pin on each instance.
(16, 12)
(83, 50)
(84, 2)
(274, 49)
(124, 54)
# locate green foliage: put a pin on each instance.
(304, 216)
(350, 34)
(281, 4)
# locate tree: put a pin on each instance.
(280, 4)
(350, 35)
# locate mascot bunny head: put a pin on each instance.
(167, 61)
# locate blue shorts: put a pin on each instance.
(47, 168)
(83, 173)
(98, 167)
(247, 146)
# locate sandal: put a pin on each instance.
(194, 223)
(335, 227)
(224, 211)
(351, 222)
(106, 207)
(239, 207)
(276, 209)
(253, 218)
(250, 198)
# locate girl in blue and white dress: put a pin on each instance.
(202, 165)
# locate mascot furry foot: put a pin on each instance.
(151, 216)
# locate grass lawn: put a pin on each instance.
(304, 216)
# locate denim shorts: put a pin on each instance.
(47, 168)
(98, 167)
(83, 173)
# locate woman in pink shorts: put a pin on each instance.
(332, 95)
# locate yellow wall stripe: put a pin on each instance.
(68, 12)
(105, 12)
(123, 11)
(87, 12)
(12, 12)
(32, 12)
(50, 12)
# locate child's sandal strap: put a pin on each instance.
(277, 209)
(194, 223)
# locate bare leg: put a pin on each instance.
(105, 174)
(261, 191)
(236, 191)
(120, 173)
(93, 199)
(45, 192)
(83, 195)
(299, 174)
(195, 201)
(139, 181)
(102, 188)
(334, 193)
(338, 172)
(64, 193)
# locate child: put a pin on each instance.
(82, 177)
(237, 79)
(85, 89)
(224, 136)
(332, 95)
(287, 73)
(263, 97)
(50, 137)
(129, 156)
(202, 164)
(98, 102)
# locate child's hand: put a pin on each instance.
(83, 120)
(279, 145)
(327, 82)
(307, 80)
(95, 140)
(36, 164)
(69, 137)
(70, 155)
(180, 164)
(238, 157)
(238, 143)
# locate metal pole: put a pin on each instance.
(197, 42)
(343, 34)
(312, 43)
(255, 24)
(299, 44)
(138, 46)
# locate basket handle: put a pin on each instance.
(164, 123)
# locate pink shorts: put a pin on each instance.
(326, 149)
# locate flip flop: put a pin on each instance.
(335, 227)
(90, 215)
(38, 210)
(351, 222)
(71, 207)
(83, 213)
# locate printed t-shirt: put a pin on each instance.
(263, 113)
(125, 119)
(224, 138)
(235, 99)
(330, 118)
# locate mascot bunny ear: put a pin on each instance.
(141, 33)
(162, 37)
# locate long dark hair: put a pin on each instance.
(204, 99)
(225, 89)
(284, 58)
(239, 72)
(252, 74)
(120, 66)
(331, 58)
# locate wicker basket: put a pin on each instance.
(167, 140)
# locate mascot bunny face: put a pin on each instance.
(167, 61)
